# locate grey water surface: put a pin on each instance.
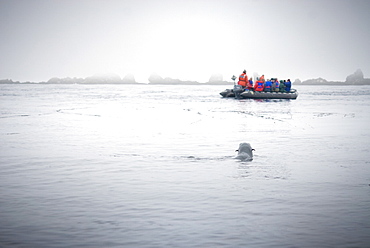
(154, 166)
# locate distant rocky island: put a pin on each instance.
(357, 78)
(96, 79)
(215, 79)
(154, 78)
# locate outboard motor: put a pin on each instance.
(237, 90)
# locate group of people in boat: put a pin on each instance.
(269, 85)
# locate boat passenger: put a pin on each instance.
(262, 78)
(268, 85)
(288, 85)
(273, 84)
(282, 86)
(259, 85)
(250, 84)
(276, 85)
(243, 79)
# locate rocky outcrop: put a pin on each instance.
(156, 79)
(129, 79)
(66, 80)
(297, 81)
(95, 79)
(217, 79)
(357, 78)
(317, 81)
(103, 79)
(8, 81)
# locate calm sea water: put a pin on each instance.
(153, 166)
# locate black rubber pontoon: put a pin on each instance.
(293, 94)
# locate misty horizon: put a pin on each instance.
(356, 78)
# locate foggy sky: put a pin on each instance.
(186, 39)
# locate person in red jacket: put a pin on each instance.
(243, 79)
(259, 85)
(262, 78)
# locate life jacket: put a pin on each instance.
(262, 78)
(259, 86)
(288, 85)
(250, 84)
(243, 79)
(268, 85)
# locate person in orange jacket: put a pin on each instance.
(262, 78)
(243, 79)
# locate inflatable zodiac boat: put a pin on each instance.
(249, 94)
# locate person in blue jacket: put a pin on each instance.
(268, 85)
(250, 84)
(288, 85)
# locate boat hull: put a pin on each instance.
(293, 94)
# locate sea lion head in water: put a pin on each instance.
(245, 152)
